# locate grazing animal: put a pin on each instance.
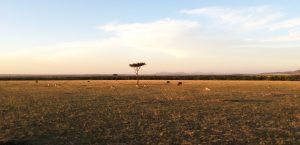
(112, 87)
(168, 82)
(36, 81)
(207, 89)
(88, 81)
(179, 84)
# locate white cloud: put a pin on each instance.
(286, 24)
(167, 36)
(263, 18)
(293, 35)
(247, 18)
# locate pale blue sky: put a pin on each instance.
(97, 36)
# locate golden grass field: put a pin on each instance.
(82, 112)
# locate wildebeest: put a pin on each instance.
(179, 84)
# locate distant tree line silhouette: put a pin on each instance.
(155, 77)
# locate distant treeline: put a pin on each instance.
(153, 77)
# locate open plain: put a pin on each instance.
(117, 112)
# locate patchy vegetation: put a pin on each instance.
(82, 112)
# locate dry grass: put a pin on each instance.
(82, 112)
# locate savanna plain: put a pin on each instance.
(117, 112)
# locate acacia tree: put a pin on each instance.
(136, 67)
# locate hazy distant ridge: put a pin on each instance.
(297, 72)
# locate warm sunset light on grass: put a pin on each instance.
(153, 72)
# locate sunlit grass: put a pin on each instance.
(82, 112)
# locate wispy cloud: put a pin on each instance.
(286, 24)
(292, 35)
(267, 19)
(247, 18)
(167, 35)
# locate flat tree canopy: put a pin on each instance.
(137, 67)
(139, 64)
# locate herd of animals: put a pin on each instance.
(113, 87)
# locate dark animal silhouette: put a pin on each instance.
(179, 84)
(168, 82)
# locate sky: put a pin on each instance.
(192, 36)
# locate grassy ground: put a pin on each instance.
(82, 112)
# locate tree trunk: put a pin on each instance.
(137, 79)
